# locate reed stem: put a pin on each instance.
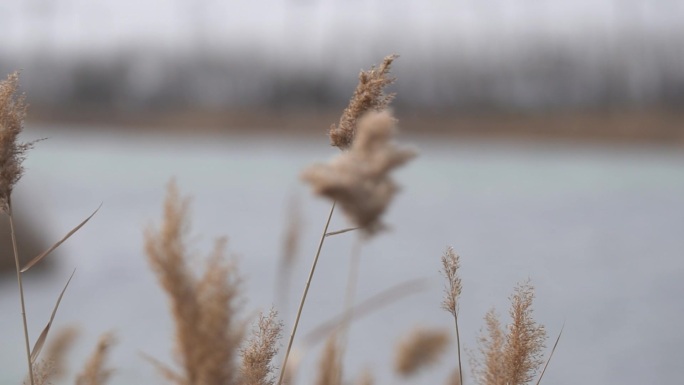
(458, 347)
(21, 291)
(350, 296)
(306, 291)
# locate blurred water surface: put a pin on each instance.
(597, 229)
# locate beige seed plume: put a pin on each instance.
(205, 309)
(359, 179)
(43, 372)
(421, 348)
(368, 96)
(525, 340)
(12, 153)
(58, 350)
(261, 348)
(330, 366)
(489, 367)
(450, 265)
(513, 356)
(95, 371)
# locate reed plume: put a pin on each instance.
(359, 179)
(262, 347)
(12, 152)
(95, 371)
(450, 265)
(330, 363)
(368, 96)
(525, 340)
(489, 368)
(514, 356)
(420, 349)
(208, 331)
(43, 373)
(58, 350)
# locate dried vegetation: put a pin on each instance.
(212, 343)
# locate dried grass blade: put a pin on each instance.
(372, 304)
(56, 245)
(43, 335)
(341, 231)
(550, 355)
(164, 370)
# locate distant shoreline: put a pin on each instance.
(655, 126)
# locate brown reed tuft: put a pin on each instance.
(12, 153)
(489, 368)
(262, 347)
(208, 332)
(525, 340)
(514, 356)
(330, 364)
(43, 373)
(368, 96)
(450, 265)
(95, 371)
(420, 349)
(359, 179)
(58, 350)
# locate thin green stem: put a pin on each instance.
(21, 291)
(283, 368)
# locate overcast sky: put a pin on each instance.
(175, 24)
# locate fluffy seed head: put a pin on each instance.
(359, 179)
(260, 350)
(419, 349)
(450, 265)
(12, 153)
(368, 96)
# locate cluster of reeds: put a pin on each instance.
(12, 154)
(214, 344)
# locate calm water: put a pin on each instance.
(598, 230)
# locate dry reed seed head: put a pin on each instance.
(488, 363)
(43, 373)
(58, 350)
(359, 179)
(293, 363)
(261, 348)
(450, 264)
(525, 339)
(12, 154)
(330, 364)
(95, 371)
(420, 349)
(368, 96)
(205, 310)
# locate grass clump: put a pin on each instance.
(212, 345)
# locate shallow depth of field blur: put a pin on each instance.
(551, 139)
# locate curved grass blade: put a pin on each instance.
(43, 335)
(56, 245)
(370, 305)
(550, 355)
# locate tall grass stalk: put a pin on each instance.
(306, 292)
(21, 290)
